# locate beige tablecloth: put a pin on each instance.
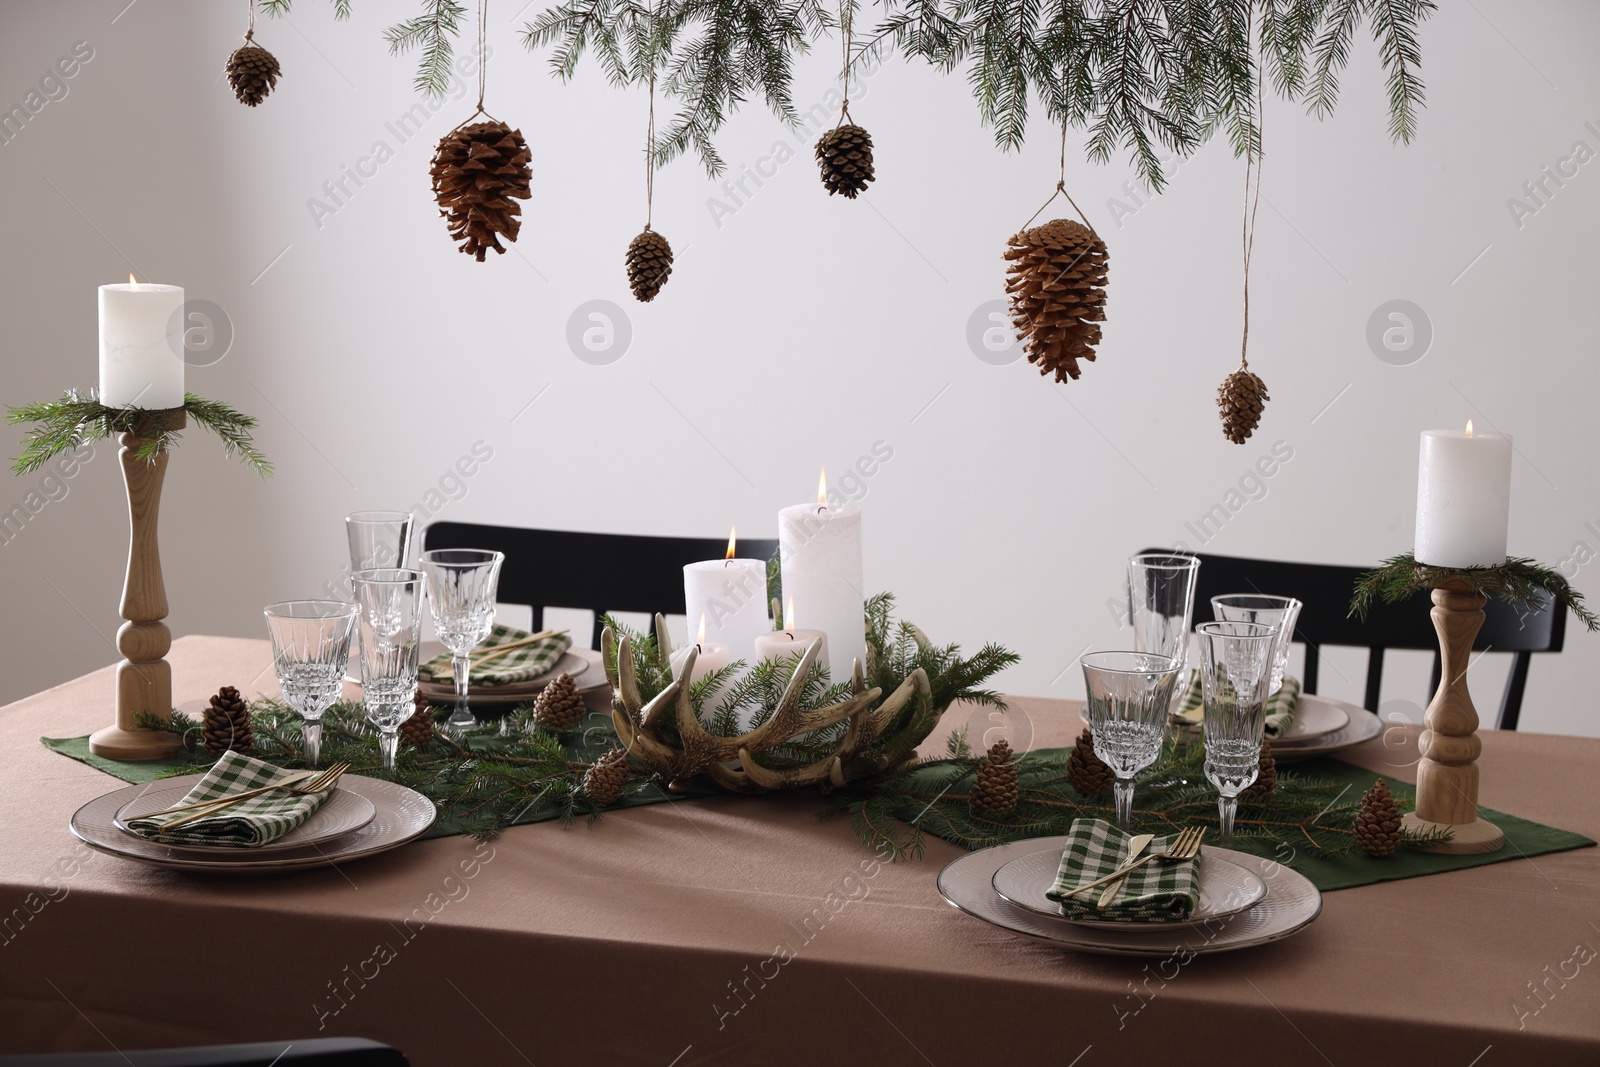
(742, 931)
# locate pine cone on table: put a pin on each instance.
(1056, 282)
(1087, 773)
(844, 154)
(226, 724)
(994, 790)
(1378, 821)
(417, 731)
(479, 173)
(253, 72)
(1240, 399)
(603, 782)
(559, 705)
(1266, 778)
(649, 264)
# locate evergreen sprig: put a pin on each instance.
(1517, 581)
(433, 33)
(78, 419)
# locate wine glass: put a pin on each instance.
(1128, 695)
(1280, 611)
(461, 596)
(310, 650)
(390, 624)
(378, 538)
(1161, 589)
(1235, 667)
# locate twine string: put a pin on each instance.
(650, 126)
(250, 28)
(1252, 200)
(483, 51)
(1061, 190)
(846, 24)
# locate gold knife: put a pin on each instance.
(1136, 845)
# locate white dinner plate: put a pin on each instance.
(1225, 889)
(342, 813)
(1314, 717)
(1291, 903)
(402, 815)
(1363, 726)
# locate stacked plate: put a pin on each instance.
(1244, 900)
(583, 664)
(361, 817)
(1322, 725)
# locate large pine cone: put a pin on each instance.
(845, 155)
(1266, 778)
(994, 791)
(1378, 821)
(253, 72)
(417, 731)
(227, 724)
(479, 172)
(1087, 773)
(559, 705)
(649, 264)
(1241, 398)
(1056, 282)
(605, 778)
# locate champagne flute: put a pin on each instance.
(1280, 611)
(1235, 667)
(310, 650)
(1161, 588)
(1128, 695)
(461, 591)
(390, 624)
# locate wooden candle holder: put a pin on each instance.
(1447, 776)
(144, 678)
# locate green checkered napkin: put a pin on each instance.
(250, 822)
(1280, 705)
(519, 665)
(1157, 892)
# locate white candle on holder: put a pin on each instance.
(731, 595)
(141, 345)
(791, 641)
(820, 549)
(710, 656)
(1463, 498)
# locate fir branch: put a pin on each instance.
(78, 419)
(1519, 581)
(433, 33)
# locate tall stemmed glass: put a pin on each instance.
(1235, 668)
(310, 650)
(1161, 589)
(390, 624)
(1128, 695)
(1279, 611)
(378, 539)
(461, 591)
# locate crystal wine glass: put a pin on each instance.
(390, 624)
(1128, 695)
(1161, 589)
(461, 596)
(378, 539)
(1279, 611)
(1235, 667)
(310, 650)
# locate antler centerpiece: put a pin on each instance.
(666, 736)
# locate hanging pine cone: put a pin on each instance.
(994, 791)
(417, 731)
(1266, 778)
(1086, 772)
(1056, 282)
(253, 72)
(606, 776)
(1378, 821)
(845, 155)
(227, 724)
(1241, 397)
(649, 264)
(559, 705)
(479, 172)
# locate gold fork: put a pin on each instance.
(321, 783)
(1186, 846)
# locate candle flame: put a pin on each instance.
(132, 280)
(700, 638)
(788, 615)
(1469, 428)
(822, 486)
(733, 540)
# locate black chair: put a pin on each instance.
(599, 572)
(1326, 589)
(317, 1052)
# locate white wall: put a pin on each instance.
(797, 332)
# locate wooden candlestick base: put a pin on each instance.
(1447, 776)
(144, 678)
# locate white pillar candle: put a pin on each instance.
(731, 595)
(791, 641)
(820, 549)
(709, 656)
(1463, 498)
(141, 345)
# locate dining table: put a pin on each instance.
(746, 930)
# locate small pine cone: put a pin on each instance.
(227, 724)
(649, 264)
(559, 705)
(1378, 821)
(605, 778)
(417, 731)
(994, 791)
(1056, 282)
(845, 155)
(479, 173)
(1087, 773)
(253, 72)
(1241, 398)
(1266, 778)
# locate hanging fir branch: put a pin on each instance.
(1517, 581)
(433, 33)
(77, 419)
